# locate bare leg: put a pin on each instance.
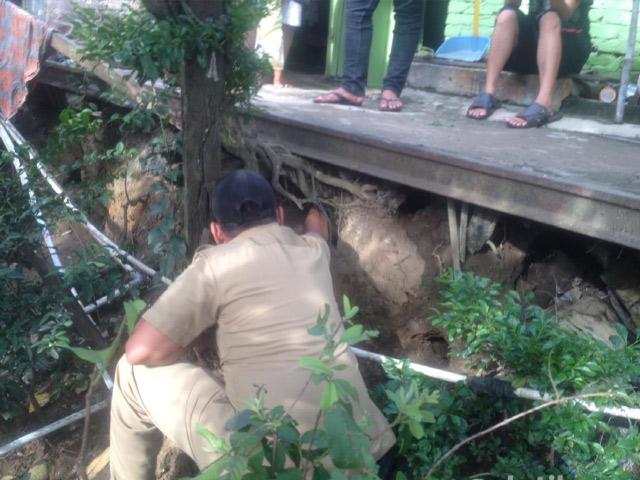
(503, 40)
(549, 55)
(287, 40)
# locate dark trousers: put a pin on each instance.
(357, 43)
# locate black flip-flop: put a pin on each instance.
(536, 116)
(488, 102)
(340, 100)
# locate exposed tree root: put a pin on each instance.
(287, 167)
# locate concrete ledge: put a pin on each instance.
(458, 78)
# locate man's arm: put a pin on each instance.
(565, 8)
(150, 347)
(316, 222)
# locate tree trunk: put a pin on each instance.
(202, 94)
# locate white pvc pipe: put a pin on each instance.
(102, 301)
(526, 393)
(100, 237)
(57, 425)
(46, 234)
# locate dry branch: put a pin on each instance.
(506, 422)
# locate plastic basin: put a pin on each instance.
(465, 49)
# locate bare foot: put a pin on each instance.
(477, 113)
(390, 102)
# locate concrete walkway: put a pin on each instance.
(584, 182)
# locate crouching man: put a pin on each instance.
(552, 40)
(262, 286)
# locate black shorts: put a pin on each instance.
(576, 48)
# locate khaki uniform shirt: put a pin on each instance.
(263, 290)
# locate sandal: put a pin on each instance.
(488, 102)
(337, 99)
(536, 116)
(385, 104)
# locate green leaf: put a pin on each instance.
(217, 444)
(348, 444)
(319, 438)
(352, 335)
(416, 429)
(349, 310)
(329, 397)
(255, 462)
(288, 433)
(321, 473)
(290, 474)
(338, 475)
(132, 311)
(346, 391)
(315, 365)
(239, 420)
(93, 356)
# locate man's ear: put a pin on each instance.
(280, 215)
(218, 234)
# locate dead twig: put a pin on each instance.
(81, 464)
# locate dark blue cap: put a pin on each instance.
(242, 198)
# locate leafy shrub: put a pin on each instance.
(156, 49)
(502, 333)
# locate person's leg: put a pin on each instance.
(357, 44)
(503, 42)
(287, 40)
(548, 57)
(270, 40)
(409, 19)
(173, 400)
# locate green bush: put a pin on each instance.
(525, 345)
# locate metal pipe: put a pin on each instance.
(525, 393)
(628, 61)
(52, 427)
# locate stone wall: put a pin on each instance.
(610, 21)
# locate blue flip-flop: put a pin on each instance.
(536, 116)
(486, 101)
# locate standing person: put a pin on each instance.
(552, 40)
(357, 44)
(275, 35)
(263, 286)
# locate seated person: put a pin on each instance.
(554, 37)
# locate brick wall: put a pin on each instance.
(610, 21)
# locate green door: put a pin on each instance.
(383, 24)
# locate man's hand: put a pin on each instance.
(316, 222)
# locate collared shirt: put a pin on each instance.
(264, 289)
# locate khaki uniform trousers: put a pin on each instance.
(173, 400)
